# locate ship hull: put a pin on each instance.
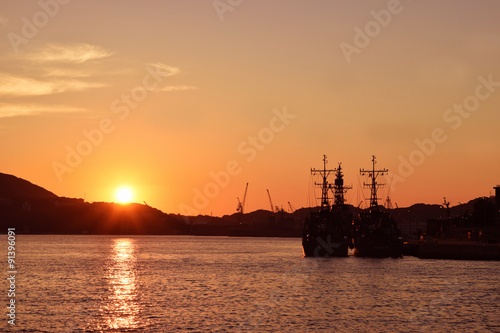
(324, 248)
(377, 236)
(327, 233)
(379, 249)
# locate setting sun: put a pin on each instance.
(124, 195)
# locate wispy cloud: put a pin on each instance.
(173, 88)
(165, 70)
(11, 85)
(68, 72)
(80, 71)
(73, 53)
(55, 69)
(12, 110)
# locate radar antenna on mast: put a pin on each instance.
(325, 185)
(339, 189)
(373, 185)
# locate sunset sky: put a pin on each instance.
(177, 98)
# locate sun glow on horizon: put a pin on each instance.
(124, 195)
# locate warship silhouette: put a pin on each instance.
(375, 233)
(327, 232)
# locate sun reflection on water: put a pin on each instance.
(122, 306)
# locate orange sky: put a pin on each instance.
(178, 97)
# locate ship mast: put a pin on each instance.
(373, 174)
(325, 185)
(339, 188)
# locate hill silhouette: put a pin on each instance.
(17, 188)
(32, 209)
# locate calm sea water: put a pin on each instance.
(220, 284)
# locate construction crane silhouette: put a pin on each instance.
(270, 200)
(241, 204)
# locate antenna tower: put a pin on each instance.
(373, 185)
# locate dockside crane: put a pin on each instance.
(241, 204)
(270, 200)
(291, 207)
